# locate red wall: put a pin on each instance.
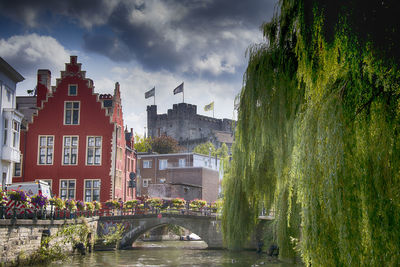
(49, 121)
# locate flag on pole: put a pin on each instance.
(178, 89)
(209, 106)
(150, 93)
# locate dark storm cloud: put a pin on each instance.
(194, 36)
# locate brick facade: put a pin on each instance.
(185, 175)
(77, 136)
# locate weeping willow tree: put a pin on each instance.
(318, 138)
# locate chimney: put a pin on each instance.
(43, 86)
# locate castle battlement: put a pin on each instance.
(184, 124)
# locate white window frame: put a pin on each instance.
(146, 182)
(94, 148)
(46, 146)
(15, 129)
(91, 188)
(72, 109)
(147, 164)
(69, 89)
(5, 136)
(162, 164)
(20, 167)
(68, 188)
(182, 162)
(70, 148)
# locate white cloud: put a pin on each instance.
(28, 53)
(34, 50)
(135, 81)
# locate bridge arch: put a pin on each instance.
(206, 227)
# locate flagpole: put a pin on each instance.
(183, 91)
(154, 95)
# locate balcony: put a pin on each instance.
(10, 154)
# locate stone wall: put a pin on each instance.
(21, 238)
(186, 126)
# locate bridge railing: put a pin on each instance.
(47, 213)
(206, 211)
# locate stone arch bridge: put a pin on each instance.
(206, 227)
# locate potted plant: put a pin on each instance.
(130, 204)
(197, 204)
(97, 205)
(154, 202)
(80, 205)
(112, 204)
(90, 206)
(39, 201)
(178, 203)
(3, 197)
(19, 196)
(70, 204)
(57, 202)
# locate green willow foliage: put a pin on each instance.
(318, 138)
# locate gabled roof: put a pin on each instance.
(10, 71)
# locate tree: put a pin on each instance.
(165, 145)
(222, 152)
(142, 144)
(317, 137)
(204, 149)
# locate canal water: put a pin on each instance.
(170, 253)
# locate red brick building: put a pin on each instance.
(76, 139)
(184, 175)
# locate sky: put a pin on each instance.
(140, 44)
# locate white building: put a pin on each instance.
(10, 122)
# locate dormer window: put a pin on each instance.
(72, 90)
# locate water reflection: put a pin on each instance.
(170, 253)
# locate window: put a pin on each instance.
(162, 180)
(46, 146)
(15, 133)
(182, 162)
(71, 112)
(17, 167)
(67, 189)
(70, 149)
(162, 164)
(93, 150)
(72, 89)
(146, 182)
(92, 190)
(147, 164)
(5, 131)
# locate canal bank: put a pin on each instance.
(21, 238)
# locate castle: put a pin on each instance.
(189, 128)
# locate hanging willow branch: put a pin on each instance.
(332, 177)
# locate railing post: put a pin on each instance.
(15, 212)
(51, 211)
(3, 215)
